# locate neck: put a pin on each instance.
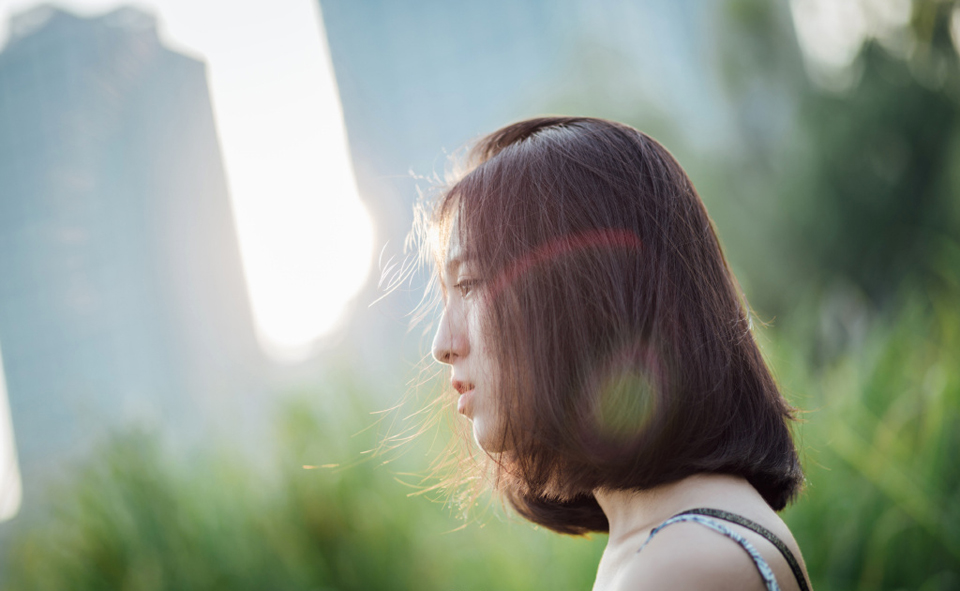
(634, 512)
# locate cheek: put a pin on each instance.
(489, 424)
(488, 420)
(480, 340)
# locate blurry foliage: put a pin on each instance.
(856, 202)
(880, 438)
(136, 519)
(878, 207)
(857, 184)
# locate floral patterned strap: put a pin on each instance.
(756, 527)
(769, 580)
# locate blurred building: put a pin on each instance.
(121, 291)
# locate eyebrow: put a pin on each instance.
(454, 264)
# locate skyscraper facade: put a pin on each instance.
(121, 290)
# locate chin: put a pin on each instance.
(489, 440)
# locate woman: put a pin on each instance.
(600, 346)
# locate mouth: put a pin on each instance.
(465, 403)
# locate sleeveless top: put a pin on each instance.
(703, 517)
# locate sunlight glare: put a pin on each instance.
(11, 487)
(305, 236)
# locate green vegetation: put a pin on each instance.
(880, 438)
(881, 509)
(137, 520)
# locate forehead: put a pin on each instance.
(454, 253)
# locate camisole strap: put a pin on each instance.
(768, 579)
(756, 527)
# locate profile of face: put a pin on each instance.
(461, 343)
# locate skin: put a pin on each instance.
(458, 343)
(689, 555)
(681, 556)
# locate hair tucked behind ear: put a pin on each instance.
(623, 344)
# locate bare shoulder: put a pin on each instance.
(690, 556)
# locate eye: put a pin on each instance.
(465, 286)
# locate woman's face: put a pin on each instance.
(460, 343)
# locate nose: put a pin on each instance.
(450, 342)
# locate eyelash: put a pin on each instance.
(466, 286)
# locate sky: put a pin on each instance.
(305, 237)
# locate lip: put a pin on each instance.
(465, 403)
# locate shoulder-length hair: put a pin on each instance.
(623, 345)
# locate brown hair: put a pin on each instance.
(623, 343)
